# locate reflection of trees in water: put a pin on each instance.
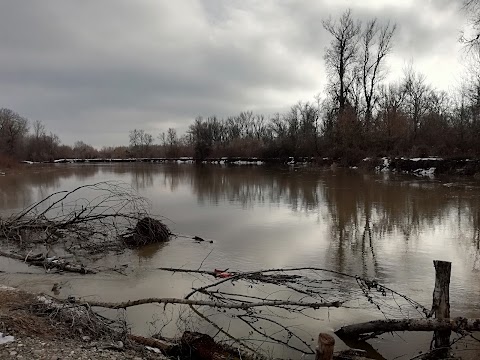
(363, 210)
(253, 185)
(142, 178)
(468, 227)
(32, 184)
(360, 209)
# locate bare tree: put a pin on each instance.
(140, 142)
(341, 56)
(13, 129)
(84, 151)
(417, 97)
(472, 8)
(38, 129)
(376, 45)
(259, 127)
(172, 142)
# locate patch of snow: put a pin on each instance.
(354, 167)
(7, 288)
(425, 172)
(245, 162)
(155, 350)
(5, 339)
(384, 166)
(426, 159)
(44, 300)
(367, 159)
(2, 173)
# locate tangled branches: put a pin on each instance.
(89, 219)
(255, 309)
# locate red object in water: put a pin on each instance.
(222, 273)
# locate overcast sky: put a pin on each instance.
(94, 69)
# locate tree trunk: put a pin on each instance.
(382, 326)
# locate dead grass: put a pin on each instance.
(16, 315)
(41, 316)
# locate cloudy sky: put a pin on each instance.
(95, 69)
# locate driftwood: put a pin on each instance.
(458, 324)
(49, 263)
(164, 346)
(212, 304)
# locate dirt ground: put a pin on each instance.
(40, 336)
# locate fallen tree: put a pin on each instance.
(378, 327)
(89, 220)
(50, 263)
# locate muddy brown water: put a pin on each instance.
(383, 226)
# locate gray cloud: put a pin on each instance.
(94, 70)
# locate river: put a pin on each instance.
(383, 226)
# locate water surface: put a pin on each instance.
(388, 227)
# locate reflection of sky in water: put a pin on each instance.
(376, 226)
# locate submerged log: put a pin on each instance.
(148, 231)
(50, 263)
(203, 347)
(383, 326)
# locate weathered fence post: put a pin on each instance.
(441, 300)
(325, 347)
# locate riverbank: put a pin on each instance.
(40, 327)
(426, 166)
(31, 330)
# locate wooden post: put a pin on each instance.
(441, 300)
(325, 347)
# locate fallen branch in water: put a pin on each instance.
(212, 304)
(90, 219)
(377, 327)
(50, 263)
(293, 279)
(307, 289)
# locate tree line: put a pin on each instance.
(359, 114)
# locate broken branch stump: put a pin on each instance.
(325, 347)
